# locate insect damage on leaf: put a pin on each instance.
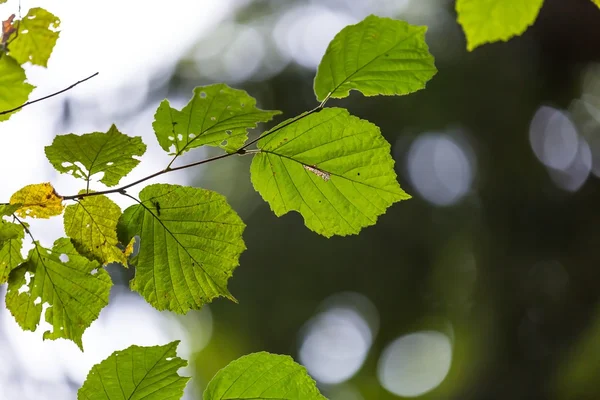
(325, 175)
(39, 200)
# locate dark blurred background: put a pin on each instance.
(486, 284)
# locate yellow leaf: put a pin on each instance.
(38, 201)
(130, 248)
(596, 2)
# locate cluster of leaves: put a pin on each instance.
(29, 39)
(333, 168)
(488, 21)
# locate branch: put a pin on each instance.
(241, 151)
(47, 97)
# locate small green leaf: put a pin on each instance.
(8, 209)
(83, 156)
(75, 289)
(375, 56)
(136, 373)
(11, 240)
(92, 224)
(262, 376)
(190, 243)
(487, 21)
(217, 115)
(36, 37)
(333, 168)
(13, 89)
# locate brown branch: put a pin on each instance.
(47, 97)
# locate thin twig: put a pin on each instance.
(47, 97)
(241, 151)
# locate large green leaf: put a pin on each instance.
(36, 37)
(262, 376)
(375, 56)
(83, 156)
(136, 373)
(11, 240)
(92, 224)
(486, 21)
(217, 115)
(75, 289)
(333, 168)
(190, 243)
(13, 89)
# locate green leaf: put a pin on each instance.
(92, 224)
(217, 115)
(262, 376)
(8, 209)
(11, 240)
(83, 156)
(487, 21)
(596, 2)
(36, 37)
(190, 243)
(75, 289)
(333, 168)
(375, 56)
(136, 373)
(13, 89)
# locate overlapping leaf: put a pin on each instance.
(375, 56)
(74, 288)
(11, 240)
(487, 21)
(111, 153)
(190, 243)
(13, 89)
(217, 115)
(331, 167)
(39, 200)
(36, 37)
(136, 373)
(92, 224)
(8, 209)
(262, 376)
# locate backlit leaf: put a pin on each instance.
(217, 115)
(36, 37)
(190, 243)
(487, 21)
(136, 373)
(596, 2)
(376, 56)
(75, 289)
(111, 153)
(92, 224)
(262, 376)
(8, 209)
(13, 89)
(333, 168)
(11, 240)
(39, 200)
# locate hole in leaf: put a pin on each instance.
(180, 137)
(23, 289)
(66, 164)
(171, 138)
(64, 258)
(203, 95)
(25, 31)
(169, 358)
(228, 132)
(191, 136)
(213, 119)
(224, 143)
(37, 301)
(108, 164)
(94, 271)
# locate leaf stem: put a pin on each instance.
(47, 97)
